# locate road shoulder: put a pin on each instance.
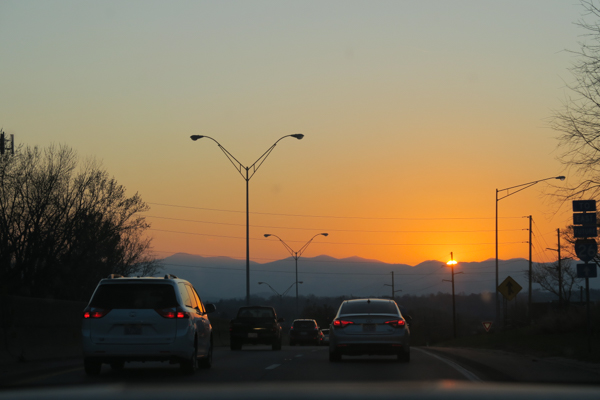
(502, 366)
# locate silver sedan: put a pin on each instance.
(369, 326)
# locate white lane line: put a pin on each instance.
(467, 374)
(273, 366)
(298, 355)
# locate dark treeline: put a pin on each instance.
(431, 315)
(64, 225)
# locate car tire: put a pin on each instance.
(189, 366)
(335, 356)
(292, 343)
(206, 362)
(91, 366)
(235, 345)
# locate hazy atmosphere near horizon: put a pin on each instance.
(414, 113)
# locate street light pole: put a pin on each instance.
(520, 188)
(249, 173)
(452, 263)
(296, 255)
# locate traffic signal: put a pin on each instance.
(2, 143)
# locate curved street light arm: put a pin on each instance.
(238, 165)
(274, 291)
(262, 158)
(288, 248)
(523, 186)
(288, 289)
(303, 248)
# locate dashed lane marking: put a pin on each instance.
(273, 366)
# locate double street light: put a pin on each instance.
(520, 188)
(296, 255)
(276, 292)
(247, 172)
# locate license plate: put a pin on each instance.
(133, 329)
(253, 335)
(368, 327)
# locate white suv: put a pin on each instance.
(146, 319)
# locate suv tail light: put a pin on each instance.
(341, 323)
(94, 312)
(172, 313)
(396, 323)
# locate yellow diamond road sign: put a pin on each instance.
(509, 288)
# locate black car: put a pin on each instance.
(255, 325)
(305, 331)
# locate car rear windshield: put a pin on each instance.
(372, 307)
(304, 324)
(256, 313)
(132, 295)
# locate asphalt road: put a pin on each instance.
(301, 364)
(260, 364)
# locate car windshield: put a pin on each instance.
(134, 296)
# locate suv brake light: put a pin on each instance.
(90, 312)
(172, 313)
(396, 323)
(342, 323)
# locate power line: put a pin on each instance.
(339, 243)
(329, 216)
(331, 230)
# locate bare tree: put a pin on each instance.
(579, 121)
(63, 227)
(546, 275)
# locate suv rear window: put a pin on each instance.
(138, 295)
(304, 325)
(373, 307)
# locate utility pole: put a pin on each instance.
(393, 288)
(560, 291)
(529, 302)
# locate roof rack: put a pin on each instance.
(113, 276)
(170, 276)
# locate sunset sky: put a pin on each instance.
(414, 113)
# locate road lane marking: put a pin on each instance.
(298, 355)
(273, 366)
(467, 374)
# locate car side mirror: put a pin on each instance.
(210, 308)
